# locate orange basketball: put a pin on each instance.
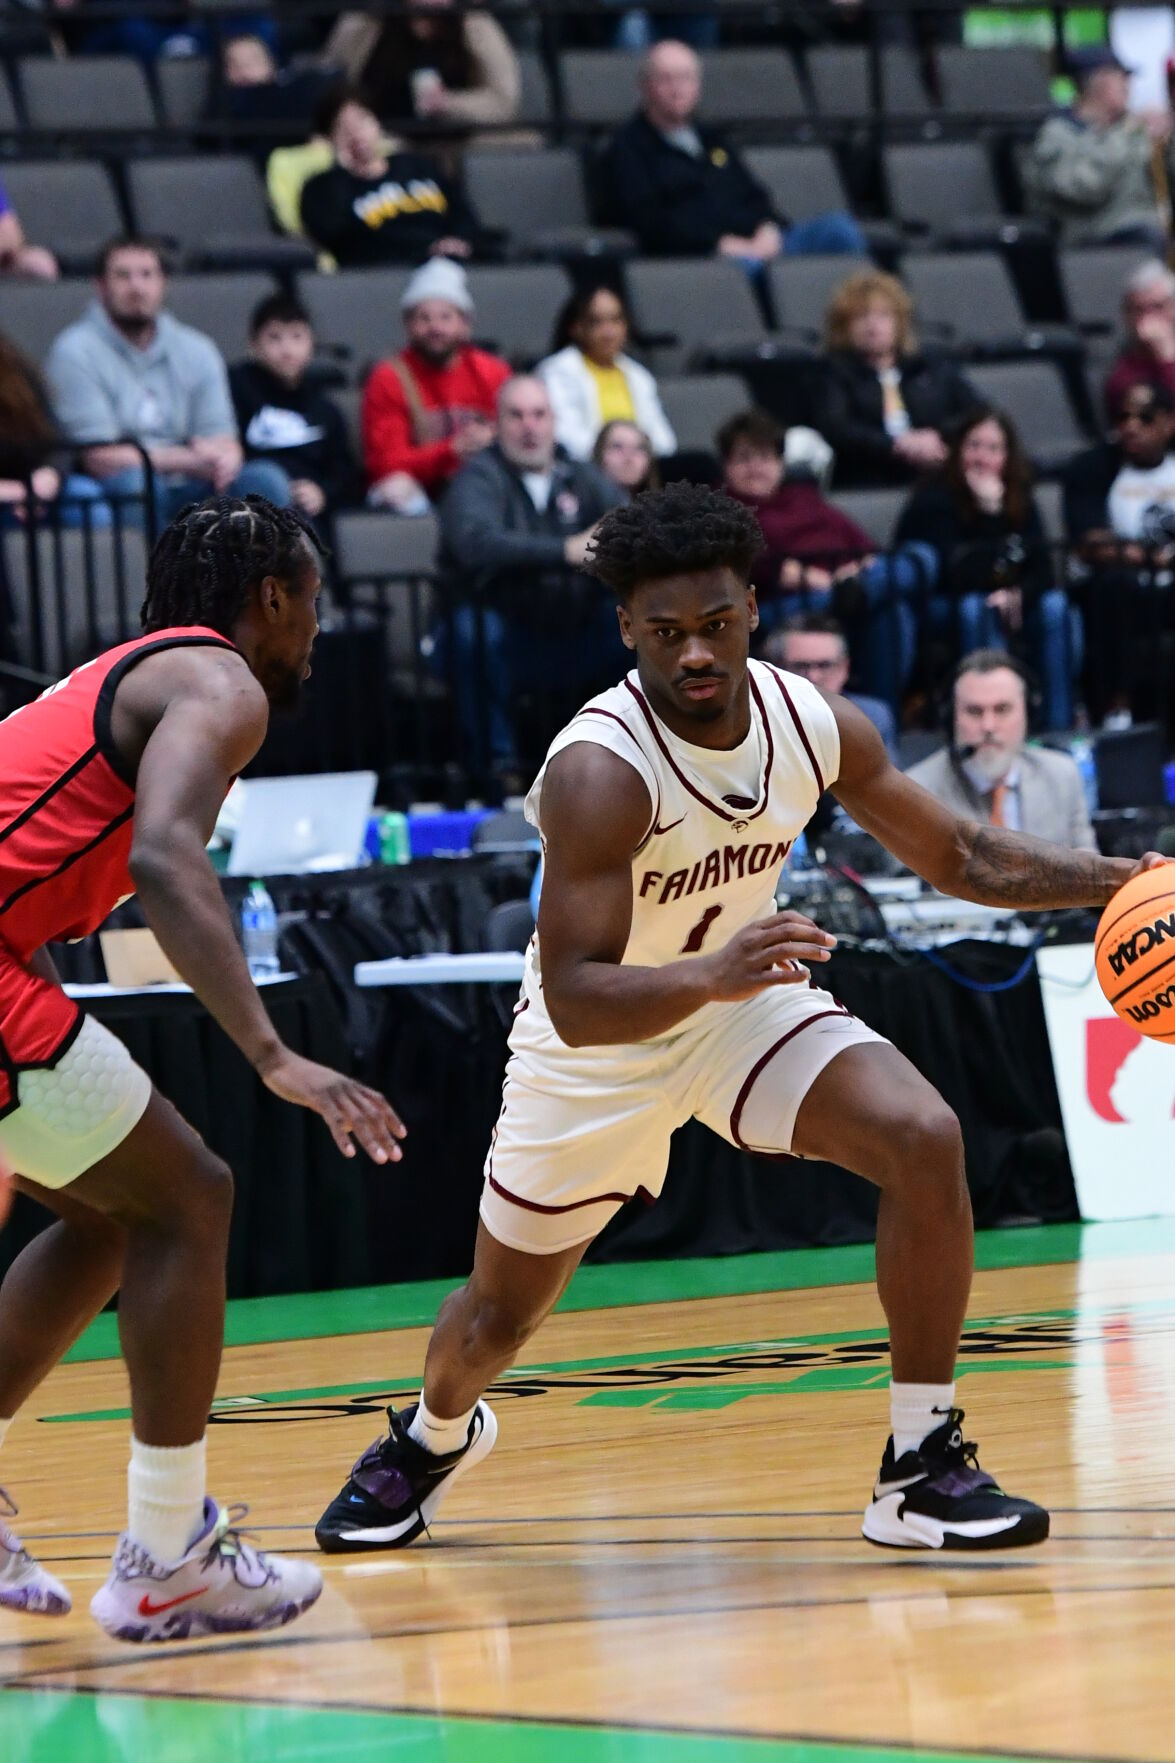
(1135, 953)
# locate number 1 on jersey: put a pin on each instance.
(698, 935)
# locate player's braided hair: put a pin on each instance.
(675, 531)
(214, 553)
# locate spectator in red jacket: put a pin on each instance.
(1148, 313)
(434, 405)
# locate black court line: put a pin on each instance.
(667, 1729)
(349, 1638)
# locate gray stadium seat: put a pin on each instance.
(939, 187)
(801, 288)
(698, 404)
(876, 511)
(214, 209)
(750, 84)
(839, 78)
(183, 84)
(1033, 395)
(534, 102)
(599, 85)
(220, 306)
(356, 314)
(9, 121)
(539, 197)
(32, 314)
(68, 205)
(400, 555)
(903, 93)
(687, 307)
(74, 625)
(107, 93)
(1011, 81)
(801, 181)
(349, 400)
(1092, 280)
(515, 308)
(964, 298)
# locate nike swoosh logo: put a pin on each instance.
(147, 1608)
(883, 1488)
(670, 827)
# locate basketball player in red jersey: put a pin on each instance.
(110, 784)
(664, 985)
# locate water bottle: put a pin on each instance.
(1081, 751)
(259, 932)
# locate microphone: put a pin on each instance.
(966, 751)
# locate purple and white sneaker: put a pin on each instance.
(221, 1586)
(396, 1486)
(24, 1583)
(937, 1497)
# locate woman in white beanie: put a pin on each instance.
(592, 381)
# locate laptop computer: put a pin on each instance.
(296, 825)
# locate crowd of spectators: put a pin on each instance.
(518, 466)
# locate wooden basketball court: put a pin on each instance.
(661, 1561)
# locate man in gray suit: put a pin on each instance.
(987, 772)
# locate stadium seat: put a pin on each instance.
(32, 314)
(1092, 280)
(219, 305)
(9, 120)
(183, 83)
(903, 94)
(106, 572)
(801, 288)
(356, 314)
(943, 188)
(698, 404)
(539, 197)
(965, 299)
(100, 93)
(68, 205)
(534, 103)
(1010, 81)
(599, 86)
(1049, 501)
(690, 309)
(214, 209)
(743, 85)
(515, 308)
(397, 556)
(801, 181)
(349, 400)
(876, 511)
(839, 78)
(1033, 395)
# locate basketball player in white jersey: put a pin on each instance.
(663, 984)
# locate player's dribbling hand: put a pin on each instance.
(350, 1109)
(770, 952)
(1149, 860)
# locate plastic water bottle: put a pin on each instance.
(1081, 751)
(259, 932)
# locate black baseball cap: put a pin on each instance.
(1083, 63)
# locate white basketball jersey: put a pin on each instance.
(709, 861)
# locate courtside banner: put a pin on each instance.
(1117, 1093)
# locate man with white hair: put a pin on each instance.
(433, 406)
(1148, 314)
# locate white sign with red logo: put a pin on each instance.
(1117, 1093)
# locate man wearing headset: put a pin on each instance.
(988, 773)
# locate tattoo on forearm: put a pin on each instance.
(1009, 869)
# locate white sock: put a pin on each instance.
(4, 1426)
(915, 1409)
(165, 1485)
(437, 1435)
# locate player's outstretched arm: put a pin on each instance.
(202, 739)
(960, 857)
(595, 812)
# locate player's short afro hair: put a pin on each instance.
(679, 530)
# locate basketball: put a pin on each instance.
(1135, 953)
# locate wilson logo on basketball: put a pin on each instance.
(1152, 1007)
(1141, 942)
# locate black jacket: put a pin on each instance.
(977, 552)
(396, 218)
(674, 202)
(849, 414)
(495, 542)
(1086, 484)
(302, 431)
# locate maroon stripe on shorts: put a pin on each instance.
(756, 1069)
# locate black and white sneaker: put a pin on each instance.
(396, 1486)
(937, 1497)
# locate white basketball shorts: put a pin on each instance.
(76, 1112)
(583, 1129)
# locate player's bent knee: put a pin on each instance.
(920, 1147)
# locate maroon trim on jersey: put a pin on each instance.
(104, 706)
(47, 795)
(12, 1068)
(740, 1102)
(717, 808)
(800, 729)
(68, 863)
(534, 1206)
(592, 710)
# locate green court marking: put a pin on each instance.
(36, 1725)
(312, 1316)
